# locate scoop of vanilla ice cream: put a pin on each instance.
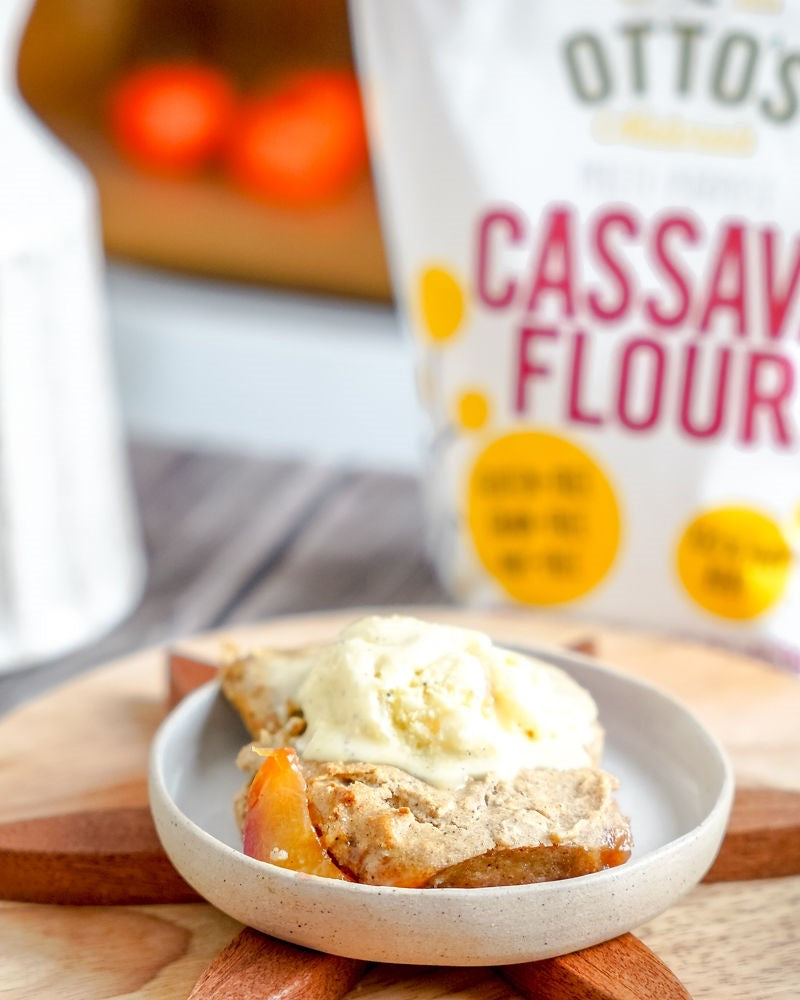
(442, 703)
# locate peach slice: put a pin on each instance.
(277, 826)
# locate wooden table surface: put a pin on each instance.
(233, 538)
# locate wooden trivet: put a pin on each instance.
(256, 967)
(112, 856)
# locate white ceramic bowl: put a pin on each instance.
(676, 787)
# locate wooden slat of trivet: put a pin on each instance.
(185, 674)
(256, 967)
(104, 857)
(622, 969)
(762, 839)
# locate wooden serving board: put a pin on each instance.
(85, 746)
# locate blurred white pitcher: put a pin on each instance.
(70, 558)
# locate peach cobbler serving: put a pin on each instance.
(410, 754)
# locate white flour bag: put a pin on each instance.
(592, 209)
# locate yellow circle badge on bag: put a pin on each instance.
(543, 517)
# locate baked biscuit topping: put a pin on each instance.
(385, 827)
(420, 755)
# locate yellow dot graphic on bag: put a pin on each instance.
(442, 305)
(734, 562)
(472, 410)
(543, 517)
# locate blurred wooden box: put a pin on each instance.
(72, 51)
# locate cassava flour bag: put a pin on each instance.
(592, 209)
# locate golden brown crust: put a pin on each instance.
(386, 827)
(258, 685)
(520, 866)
